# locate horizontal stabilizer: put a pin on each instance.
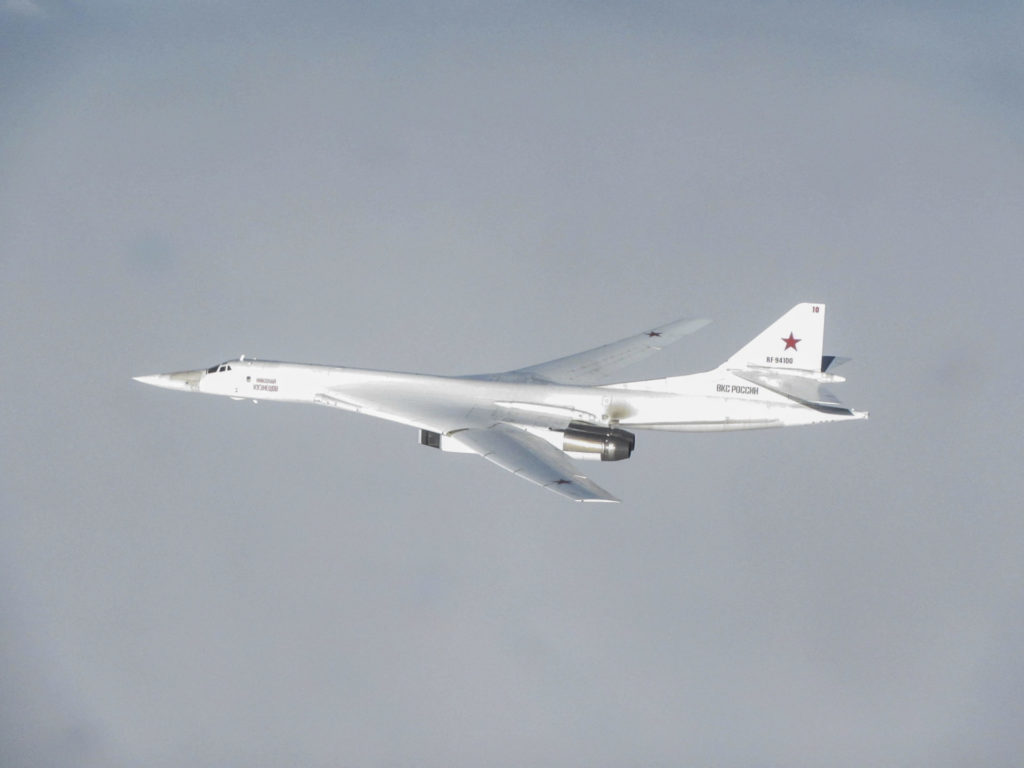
(803, 389)
(831, 361)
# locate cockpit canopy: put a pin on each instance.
(219, 368)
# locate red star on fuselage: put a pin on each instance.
(791, 342)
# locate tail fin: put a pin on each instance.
(793, 342)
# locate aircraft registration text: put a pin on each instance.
(736, 389)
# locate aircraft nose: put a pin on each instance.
(187, 381)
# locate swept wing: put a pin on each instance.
(595, 366)
(532, 421)
(533, 459)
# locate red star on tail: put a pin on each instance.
(791, 342)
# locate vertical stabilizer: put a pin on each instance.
(793, 342)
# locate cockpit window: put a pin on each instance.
(219, 368)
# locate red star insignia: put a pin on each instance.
(652, 334)
(562, 481)
(791, 342)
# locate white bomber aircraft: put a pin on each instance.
(533, 421)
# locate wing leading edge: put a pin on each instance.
(594, 365)
(533, 459)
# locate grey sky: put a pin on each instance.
(190, 581)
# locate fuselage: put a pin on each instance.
(711, 401)
(536, 421)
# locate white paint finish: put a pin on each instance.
(754, 389)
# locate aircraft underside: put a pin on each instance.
(536, 422)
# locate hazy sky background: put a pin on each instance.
(460, 187)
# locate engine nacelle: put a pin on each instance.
(612, 444)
